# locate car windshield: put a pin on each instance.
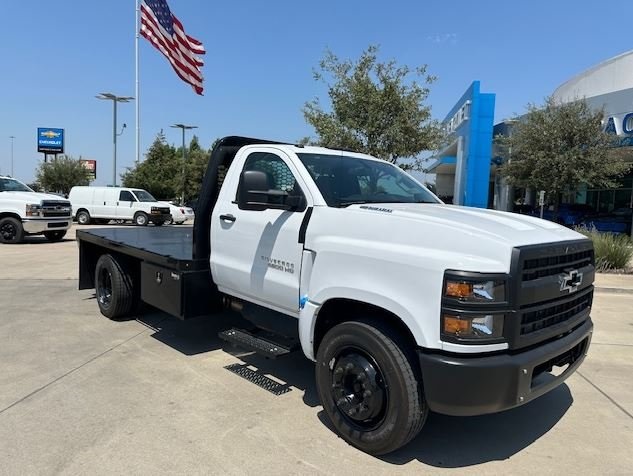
(12, 185)
(344, 181)
(144, 196)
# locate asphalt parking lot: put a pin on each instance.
(80, 394)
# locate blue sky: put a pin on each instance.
(58, 55)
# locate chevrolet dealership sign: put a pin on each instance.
(50, 140)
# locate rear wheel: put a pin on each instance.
(114, 287)
(369, 388)
(83, 217)
(56, 235)
(141, 219)
(11, 230)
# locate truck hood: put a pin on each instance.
(504, 227)
(30, 197)
(431, 236)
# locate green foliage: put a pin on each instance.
(375, 108)
(61, 174)
(161, 173)
(558, 146)
(613, 252)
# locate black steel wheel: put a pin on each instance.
(114, 287)
(83, 217)
(141, 219)
(369, 386)
(11, 230)
(56, 235)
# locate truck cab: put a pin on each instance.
(26, 212)
(406, 305)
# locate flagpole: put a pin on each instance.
(136, 89)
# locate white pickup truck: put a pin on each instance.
(25, 212)
(405, 304)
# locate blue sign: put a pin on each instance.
(50, 140)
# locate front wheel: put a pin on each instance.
(83, 217)
(141, 219)
(11, 230)
(56, 235)
(369, 388)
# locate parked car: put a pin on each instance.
(617, 221)
(568, 214)
(179, 213)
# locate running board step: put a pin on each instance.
(266, 347)
(259, 379)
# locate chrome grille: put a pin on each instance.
(56, 208)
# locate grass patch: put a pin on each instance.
(613, 252)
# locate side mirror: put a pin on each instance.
(254, 193)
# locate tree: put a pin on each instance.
(375, 108)
(559, 146)
(159, 173)
(62, 174)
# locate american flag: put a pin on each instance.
(166, 33)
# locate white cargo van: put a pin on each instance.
(101, 204)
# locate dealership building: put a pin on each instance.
(466, 169)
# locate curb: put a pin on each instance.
(613, 290)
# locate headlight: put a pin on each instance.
(471, 290)
(466, 327)
(33, 210)
(474, 306)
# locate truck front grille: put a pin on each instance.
(554, 313)
(56, 208)
(553, 291)
(549, 266)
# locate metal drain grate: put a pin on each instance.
(258, 379)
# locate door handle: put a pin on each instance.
(229, 217)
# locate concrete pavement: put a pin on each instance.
(80, 394)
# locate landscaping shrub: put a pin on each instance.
(613, 252)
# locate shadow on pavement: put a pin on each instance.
(455, 442)
(445, 441)
(200, 335)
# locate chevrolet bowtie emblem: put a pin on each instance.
(570, 281)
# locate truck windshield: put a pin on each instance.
(144, 196)
(12, 185)
(344, 181)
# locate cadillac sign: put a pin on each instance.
(50, 140)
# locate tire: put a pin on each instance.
(56, 235)
(169, 221)
(83, 217)
(11, 230)
(364, 356)
(141, 219)
(114, 287)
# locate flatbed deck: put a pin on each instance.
(168, 246)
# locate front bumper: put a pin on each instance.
(463, 386)
(40, 225)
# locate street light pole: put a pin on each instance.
(11, 137)
(115, 99)
(184, 157)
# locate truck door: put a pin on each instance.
(125, 205)
(255, 253)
